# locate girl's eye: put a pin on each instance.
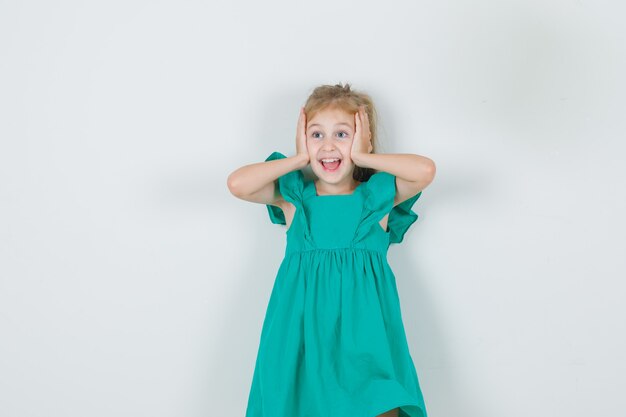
(342, 135)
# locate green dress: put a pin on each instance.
(333, 342)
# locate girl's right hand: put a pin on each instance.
(301, 149)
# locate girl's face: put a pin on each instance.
(329, 137)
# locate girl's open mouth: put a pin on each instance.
(330, 164)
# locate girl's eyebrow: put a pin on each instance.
(342, 123)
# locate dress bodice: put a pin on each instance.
(346, 221)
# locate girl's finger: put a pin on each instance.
(366, 119)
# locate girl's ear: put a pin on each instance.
(370, 148)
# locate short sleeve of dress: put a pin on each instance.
(401, 218)
(290, 186)
(381, 191)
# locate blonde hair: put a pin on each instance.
(344, 98)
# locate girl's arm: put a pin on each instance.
(256, 182)
(413, 172)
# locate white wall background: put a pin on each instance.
(133, 284)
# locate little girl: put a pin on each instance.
(333, 341)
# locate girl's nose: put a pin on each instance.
(328, 145)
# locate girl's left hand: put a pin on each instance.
(362, 142)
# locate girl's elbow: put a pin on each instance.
(234, 185)
(430, 169)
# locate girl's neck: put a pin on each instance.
(347, 187)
